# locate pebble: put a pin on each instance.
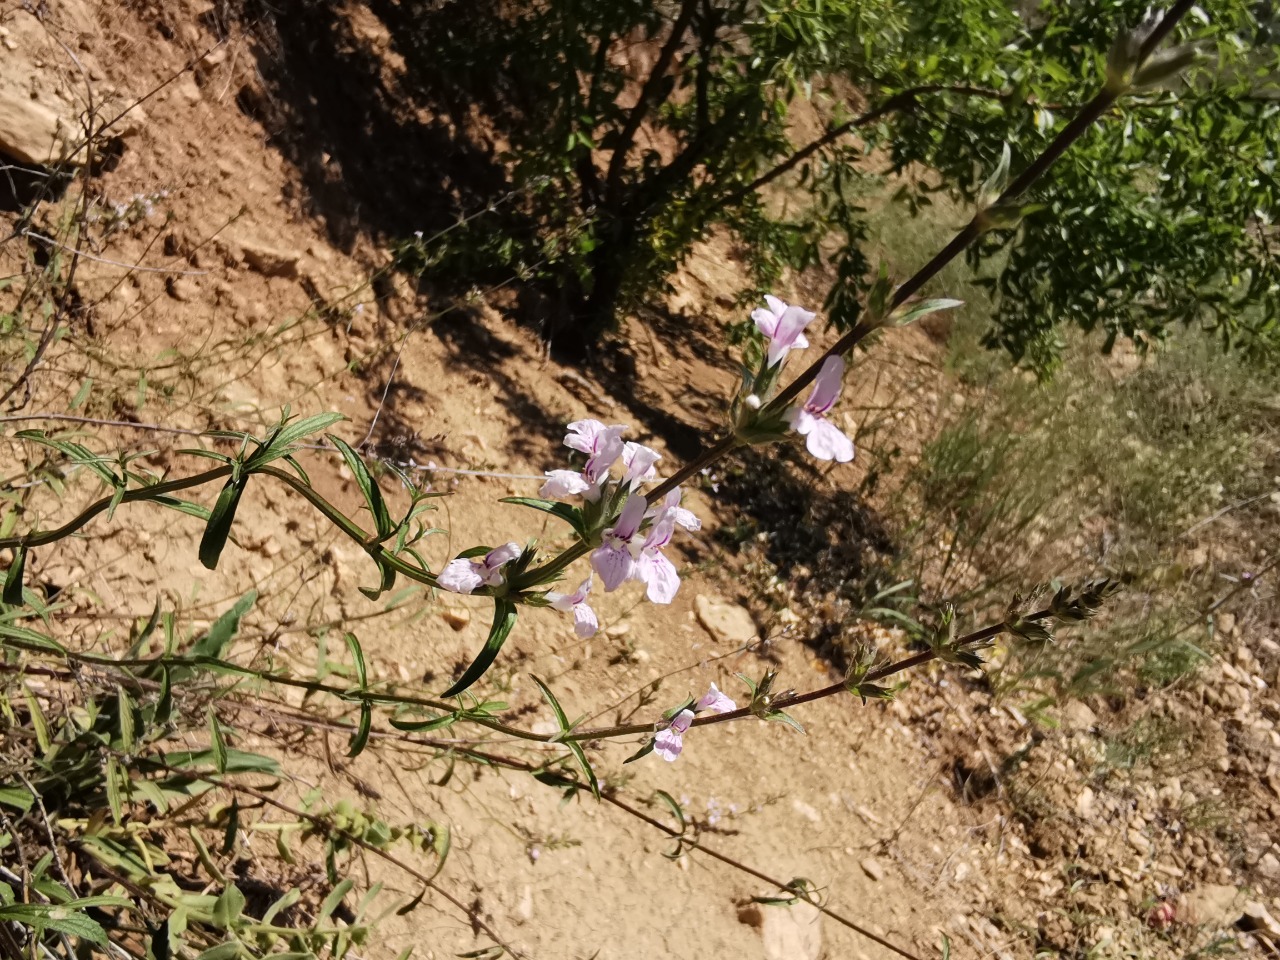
(456, 617)
(871, 867)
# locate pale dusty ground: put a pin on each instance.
(231, 343)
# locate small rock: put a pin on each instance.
(182, 289)
(1269, 866)
(1078, 716)
(791, 933)
(456, 617)
(726, 622)
(1084, 803)
(270, 261)
(871, 867)
(1256, 919)
(617, 630)
(641, 656)
(1212, 903)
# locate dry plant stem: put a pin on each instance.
(597, 733)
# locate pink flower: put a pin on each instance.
(653, 568)
(585, 623)
(784, 325)
(563, 483)
(715, 701)
(679, 515)
(602, 445)
(822, 437)
(639, 461)
(613, 559)
(464, 576)
(668, 742)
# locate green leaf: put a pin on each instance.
(333, 899)
(233, 826)
(421, 726)
(19, 798)
(124, 707)
(361, 736)
(223, 951)
(292, 896)
(357, 656)
(228, 908)
(574, 746)
(643, 752)
(224, 628)
(916, 311)
(221, 517)
(368, 486)
(12, 594)
(562, 720)
(218, 746)
(38, 721)
(113, 776)
(238, 761)
(183, 506)
(25, 639)
(281, 444)
(504, 618)
(164, 702)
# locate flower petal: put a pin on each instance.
(765, 322)
(659, 576)
(563, 483)
(716, 701)
(826, 386)
(630, 518)
(608, 447)
(679, 515)
(459, 576)
(668, 743)
(582, 435)
(560, 601)
(826, 442)
(500, 556)
(614, 564)
(639, 461)
(801, 420)
(585, 623)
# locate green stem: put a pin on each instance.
(37, 539)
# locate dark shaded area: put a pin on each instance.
(377, 153)
(23, 185)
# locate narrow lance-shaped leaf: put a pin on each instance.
(13, 579)
(574, 747)
(361, 736)
(368, 487)
(281, 443)
(217, 744)
(504, 618)
(221, 517)
(224, 628)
